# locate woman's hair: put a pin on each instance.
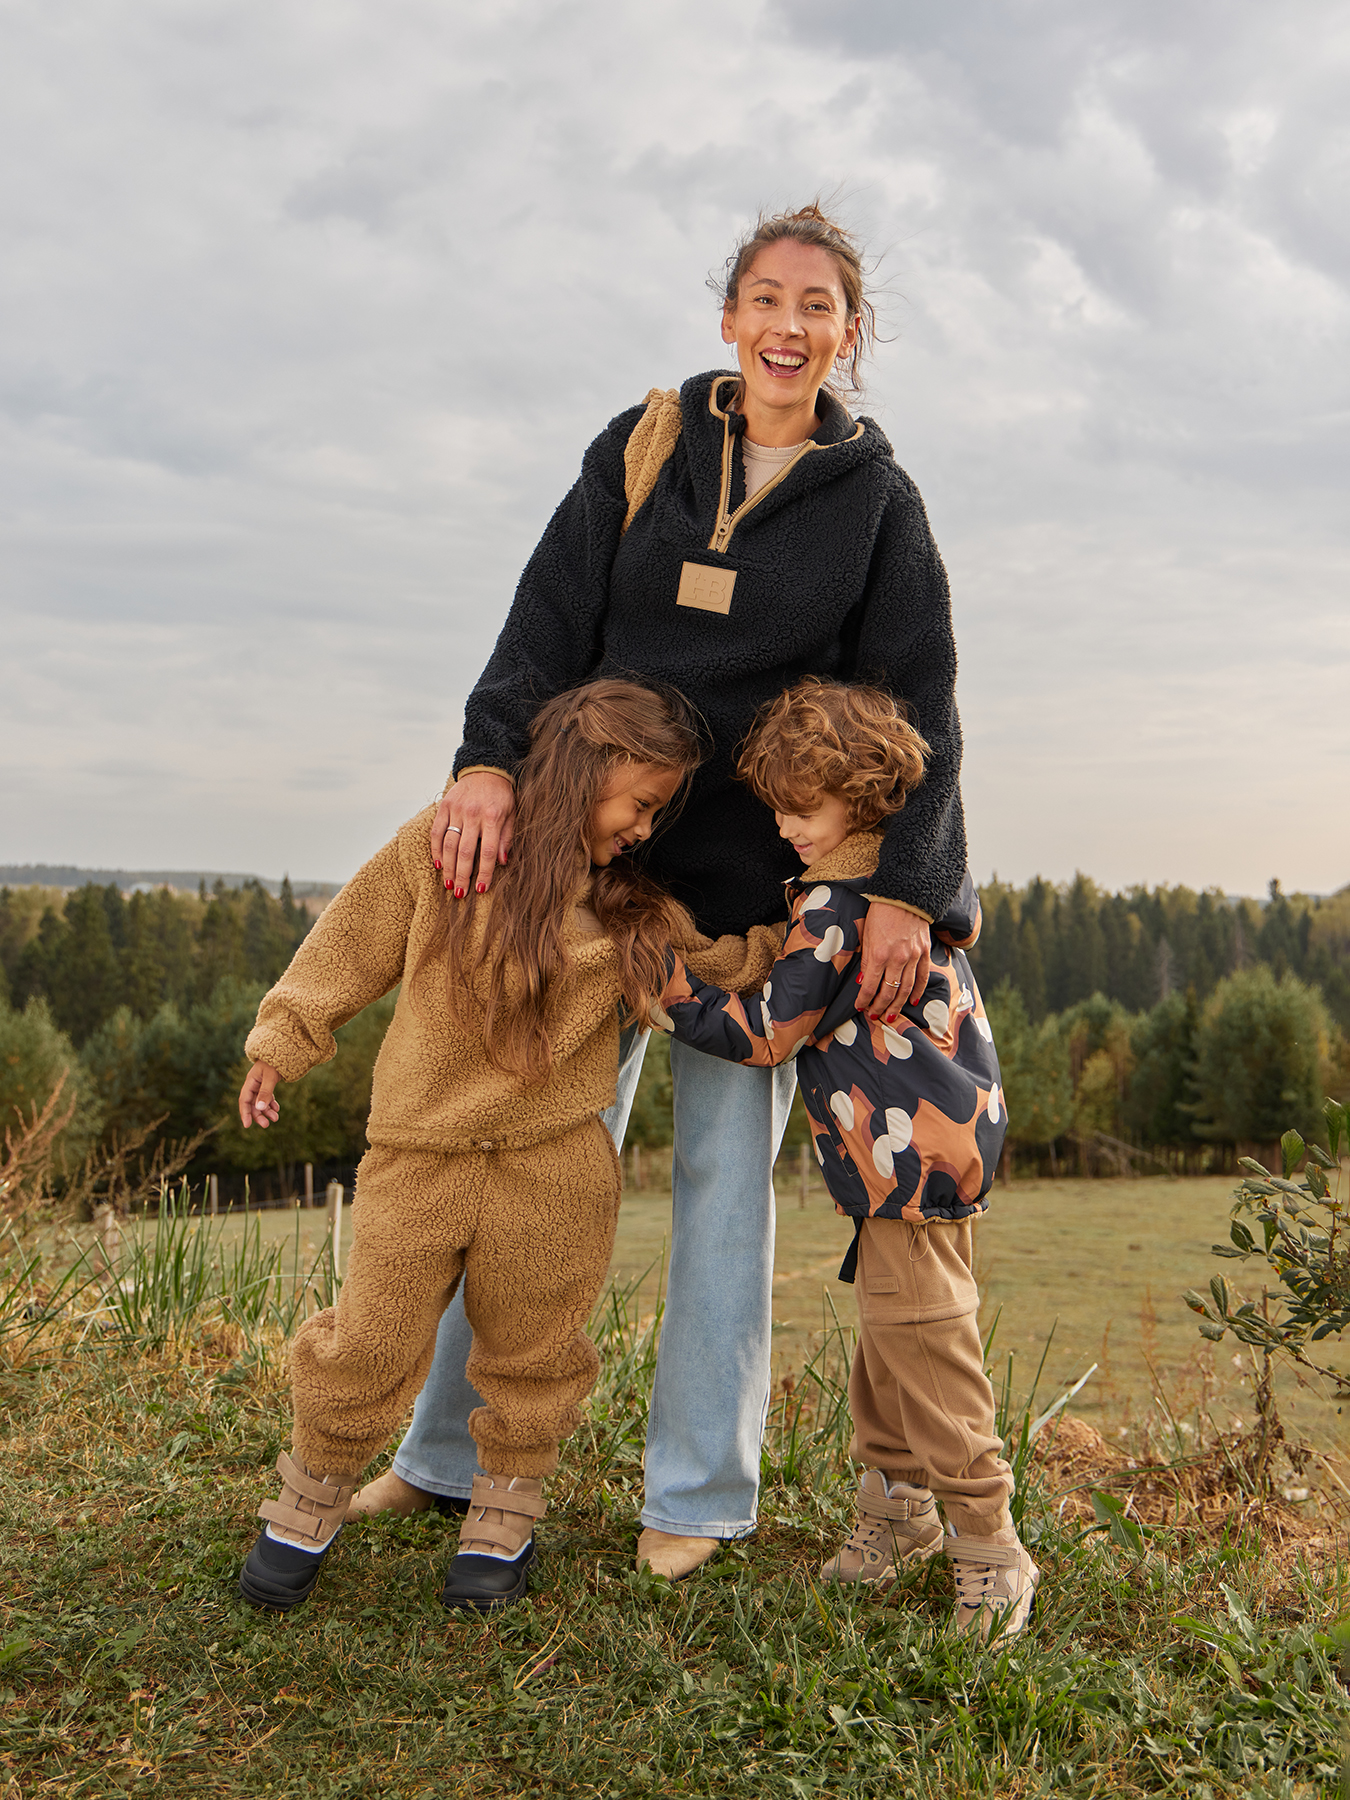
(822, 737)
(809, 225)
(578, 742)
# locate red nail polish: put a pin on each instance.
(890, 1018)
(481, 888)
(447, 887)
(459, 893)
(438, 865)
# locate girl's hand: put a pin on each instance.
(257, 1103)
(474, 822)
(896, 962)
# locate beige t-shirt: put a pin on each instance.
(762, 463)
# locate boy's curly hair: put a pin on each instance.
(825, 737)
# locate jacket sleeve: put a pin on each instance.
(905, 643)
(353, 955)
(770, 1027)
(960, 925)
(551, 638)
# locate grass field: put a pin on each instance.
(1200, 1659)
(1103, 1263)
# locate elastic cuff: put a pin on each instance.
(904, 905)
(532, 1464)
(481, 769)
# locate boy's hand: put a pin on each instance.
(896, 963)
(257, 1102)
(473, 824)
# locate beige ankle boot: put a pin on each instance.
(389, 1493)
(666, 1553)
(896, 1524)
(996, 1583)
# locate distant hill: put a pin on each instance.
(60, 875)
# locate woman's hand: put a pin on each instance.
(257, 1101)
(474, 823)
(896, 961)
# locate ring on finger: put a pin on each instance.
(457, 829)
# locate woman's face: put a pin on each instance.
(789, 324)
(624, 813)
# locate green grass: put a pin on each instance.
(1195, 1661)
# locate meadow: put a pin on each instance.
(1186, 1638)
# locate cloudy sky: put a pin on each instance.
(311, 306)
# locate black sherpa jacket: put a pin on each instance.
(835, 574)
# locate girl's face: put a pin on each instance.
(624, 813)
(789, 324)
(814, 834)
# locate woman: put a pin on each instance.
(780, 539)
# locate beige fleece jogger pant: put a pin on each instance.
(923, 1409)
(530, 1232)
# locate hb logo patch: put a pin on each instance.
(707, 589)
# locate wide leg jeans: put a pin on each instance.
(711, 1392)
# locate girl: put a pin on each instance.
(488, 1162)
(907, 1120)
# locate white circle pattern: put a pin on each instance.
(896, 1042)
(899, 1127)
(846, 1033)
(830, 945)
(937, 1015)
(842, 1108)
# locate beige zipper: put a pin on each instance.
(727, 522)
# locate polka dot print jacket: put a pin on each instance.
(907, 1119)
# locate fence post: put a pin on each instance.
(335, 1226)
(213, 1195)
(804, 1172)
(637, 1165)
(309, 1185)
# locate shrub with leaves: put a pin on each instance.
(1301, 1232)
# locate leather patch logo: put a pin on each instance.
(707, 589)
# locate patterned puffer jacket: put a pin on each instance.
(908, 1119)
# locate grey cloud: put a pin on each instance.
(315, 310)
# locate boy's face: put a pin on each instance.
(814, 834)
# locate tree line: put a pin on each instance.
(1057, 946)
(1165, 1020)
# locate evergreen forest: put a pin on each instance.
(1153, 1027)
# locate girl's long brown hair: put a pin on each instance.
(514, 964)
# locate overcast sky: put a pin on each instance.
(311, 308)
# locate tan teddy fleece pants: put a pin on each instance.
(530, 1232)
(923, 1409)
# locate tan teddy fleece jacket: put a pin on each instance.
(434, 1088)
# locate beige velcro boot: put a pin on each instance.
(996, 1583)
(896, 1525)
(283, 1566)
(496, 1543)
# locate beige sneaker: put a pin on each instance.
(995, 1585)
(896, 1525)
(667, 1553)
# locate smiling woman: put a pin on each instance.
(777, 539)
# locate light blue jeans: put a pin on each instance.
(711, 1393)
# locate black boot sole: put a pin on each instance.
(259, 1586)
(464, 1591)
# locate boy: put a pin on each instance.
(907, 1120)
